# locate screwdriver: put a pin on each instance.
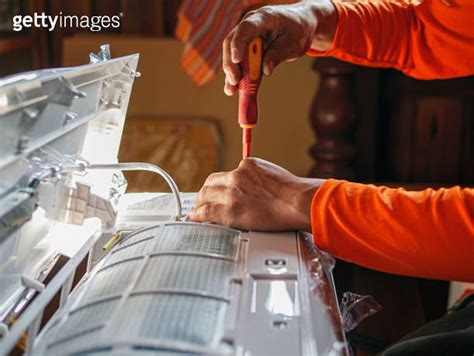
(251, 67)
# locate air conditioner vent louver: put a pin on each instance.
(163, 288)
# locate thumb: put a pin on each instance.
(278, 51)
(272, 58)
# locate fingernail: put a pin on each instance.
(268, 69)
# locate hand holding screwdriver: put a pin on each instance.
(289, 32)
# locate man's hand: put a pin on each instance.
(258, 195)
(288, 32)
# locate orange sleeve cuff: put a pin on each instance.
(342, 16)
(318, 223)
(355, 42)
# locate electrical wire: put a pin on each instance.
(142, 166)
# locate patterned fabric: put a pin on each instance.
(202, 26)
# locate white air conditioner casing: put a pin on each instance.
(165, 285)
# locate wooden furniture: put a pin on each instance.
(429, 130)
(156, 18)
(333, 118)
(43, 48)
(26, 49)
(11, 43)
(377, 125)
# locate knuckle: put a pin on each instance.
(203, 193)
(206, 211)
(199, 196)
(227, 41)
(232, 180)
(235, 177)
(248, 163)
(269, 15)
(212, 177)
(250, 13)
(227, 67)
(265, 10)
(244, 163)
(246, 25)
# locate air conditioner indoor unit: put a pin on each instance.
(87, 268)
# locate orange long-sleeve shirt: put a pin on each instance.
(426, 234)
(430, 40)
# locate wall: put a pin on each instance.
(283, 134)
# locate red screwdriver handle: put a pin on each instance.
(251, 67)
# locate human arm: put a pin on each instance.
(426, 234)
(429, 40)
